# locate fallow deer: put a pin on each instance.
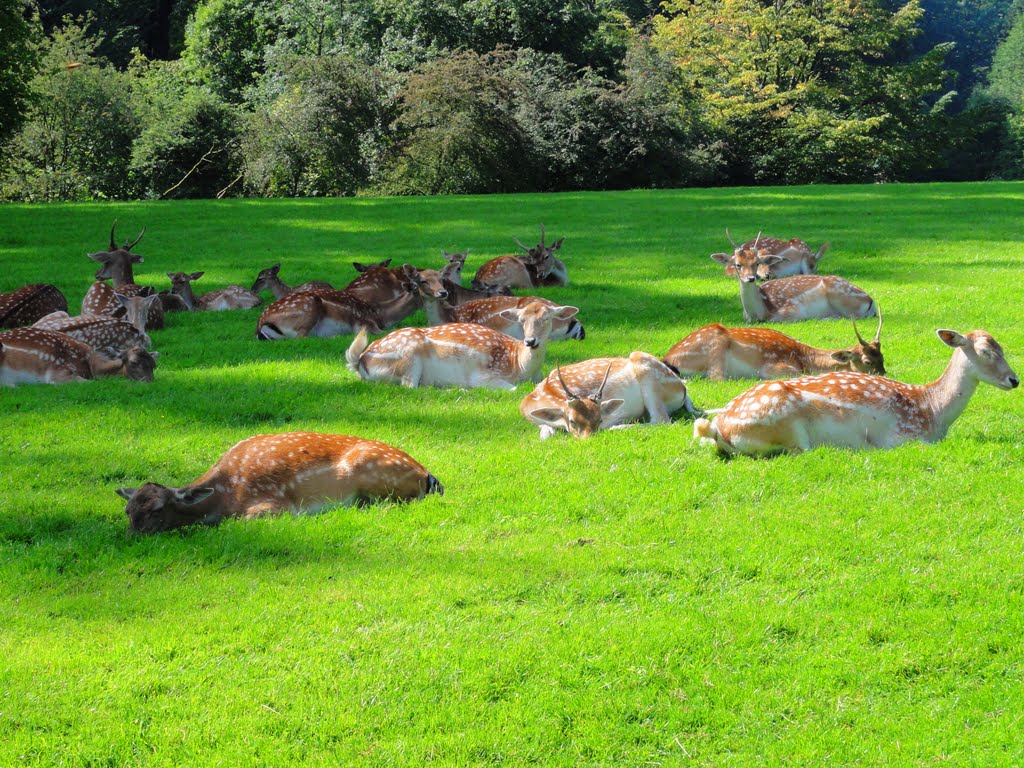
(36, 356)
(29, 303)
(722, 353)
(458, 354)
(790, 299)
(855, 410)
(319, 313)
(501, 314)
(797, 257)
(268, 280)
(231, 297)
(451, 278)
(300, 472)
(108, 335)
(606, 393)
(117, 267)
(538, 267)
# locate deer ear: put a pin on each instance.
(136, 259)
(122, 299)
(951, 338)
(843, 356)
(193, 495)
(557, 244)
(722, 258)
(103, 257)
(196, 275)
(150, 299)
(771, 260)
(126, 493)
(155, 355)
(170, 276)
(512, 315)
(566, 312)
(360, 267)
(275, 269)
(607, 406)
(552, 416)
(411, 272)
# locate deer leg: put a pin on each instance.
(413, 372)
(546, 431)
(779, 371)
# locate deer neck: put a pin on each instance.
(820, 360)
(121, 274)
(398, 308)
(279, 288)
(186, 294)
(947, 397)
(101, 365)
(530, 359)
(755, 308)
(438, 312)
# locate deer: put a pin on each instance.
(791, 299)
(458, 354)
(796, 255)
(299, 472)
(30, 303)
(268, 280)
(499, 313)
(538, 267)
(574, 398)
(857, 410)
(722, 353)
(109, 335)
(319, 313)
(36, 356)
(231, 297)
(117, 267)
(451, 278)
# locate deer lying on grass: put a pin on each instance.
(723, 353)
(29, 303)
(855, 410)
(451, 278)
(126, 329)
(795, 256)
(36, 356)
(500, 313)
(790, 299)
(537, 268)
(117, 267)
(268, 280)
(606, 393)
(268, 474)
(458, 354)
(232, 297)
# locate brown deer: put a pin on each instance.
(268, 280)
(298, 472)
(538, 267)
(790, 299)
(458, 354)
(108, 335)
(117, 267)
(606, 393)
(29, 303)
(36, 356)
(500, 313)
(451, 278)
(855, 410)
(796, 256)
(231, 297)
(722, 353)
(319, 313)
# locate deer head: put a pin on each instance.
(583, 414)
(117, 261)
(428, 282)
(866, 357)
(360, 267)
(454, 262)
(541, 257)
(154, 507)
(751, 264)
(536, 319)
(985, 356)
(265, 279)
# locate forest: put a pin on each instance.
(124, 99)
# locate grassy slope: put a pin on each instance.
(631, 599)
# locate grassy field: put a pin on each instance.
(628, 600)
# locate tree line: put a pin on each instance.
(118, 99)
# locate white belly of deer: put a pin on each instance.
(452, 364)
(813, 303)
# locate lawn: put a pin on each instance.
(632, 599)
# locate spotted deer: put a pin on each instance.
(231, 297)
(722, 353)
(796, 256)
(458, 354)
(538, 267)
(791, 299)
(116, 266)
(451, 278)
(319, 313)
(856, 410)
(606, 393)
(36, 356)
(269, 280)
(299, 472)
(108, 335)
(29, 303)
(500, 313)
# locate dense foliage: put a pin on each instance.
(191, 98)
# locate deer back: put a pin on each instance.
(505, 271)
(30, 303)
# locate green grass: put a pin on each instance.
(628, 600)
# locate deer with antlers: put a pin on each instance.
(856, 410)
(30, 303)
(458, 354)
(795, 256)
(722, 353)
(538, 267)
(606, 393)
(106, 334)
(117, 267)
(791, 299)
(231, 297)
(36, 356)
(269, 280)
(299, 472)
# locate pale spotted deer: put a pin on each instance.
(117, 267)
(722, 353)
(223, 299)
(855, 410)
(269, 280)
(537, 268)
(791, 299)
(36, 356)
(298, 472)
(108, 335)
(29, 303)
(796, 257)
(606, 393)
(501, 313)
(458, 354)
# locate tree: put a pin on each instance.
(18, 57)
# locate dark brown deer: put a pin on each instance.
(36, 356)
(393, 291)
(30, 303)
(106, 334)
(269, 280)
(117, 267)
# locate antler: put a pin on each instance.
(569, 393)
(133, 243)
(113, 245)
(859, 337)
(542, 235)
(878, 333)
(728, 234)
(757, 240)
(600, 390)
(516, 241)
